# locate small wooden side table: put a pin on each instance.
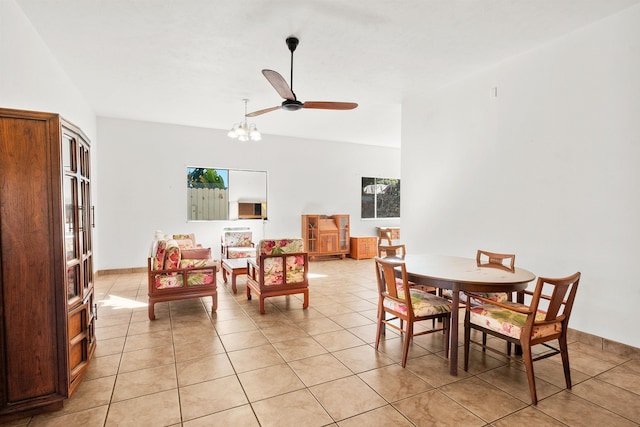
(234, 267)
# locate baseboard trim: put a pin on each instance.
(121, 271)
(604, 344)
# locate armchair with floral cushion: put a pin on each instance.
(236, 242)
(178, 268)
(280, 268)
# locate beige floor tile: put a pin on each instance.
(366, 333)
(268, 382)
(146, 358)
(482, 399)
(434, 370)
(319, 326)
(283, 332)
(239, 367)
(362, 358)
(381, 417)
(152, 339)
(319, 369)
(626, 376)
(512, 379)
(298, 348)
(351, 320)
(233, 326)
(109, 346)
(202, 347)
(87, 417)
(528, 417)
(338, 340)
(346, 397)
(153, 409)
(434, 408)
(615, 399)
(114, 331)
(576, 411)
(104, 366)
(144, 381)
(240, 416)
(295, 409)
(242, 340)
(394, 382)
(89, 394)
(255, 358)
(204, 369)
(208, 397)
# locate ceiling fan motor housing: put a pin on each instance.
(292, 105)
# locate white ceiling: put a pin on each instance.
(192, 62)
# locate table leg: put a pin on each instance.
(224, 274)
(453, 345)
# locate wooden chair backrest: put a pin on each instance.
(392, 251)
(559, 300)
(494, 259)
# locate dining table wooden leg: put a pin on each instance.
(453, 345)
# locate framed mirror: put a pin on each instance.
(216, 194)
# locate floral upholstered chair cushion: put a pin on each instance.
(238, 243)
(509, 322)
(424, 303)
(167, 256)
(275, 269)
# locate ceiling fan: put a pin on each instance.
(291, 102)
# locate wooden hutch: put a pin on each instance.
(47, 309)
(326, 235)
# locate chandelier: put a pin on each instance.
(244, 131)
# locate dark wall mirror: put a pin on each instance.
(216, 194)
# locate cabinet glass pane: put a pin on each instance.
(69, 160)
(88, 273)
(86, 214)
(84, 162)
(70, 228)
(73, 281)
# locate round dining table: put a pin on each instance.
(463, 274)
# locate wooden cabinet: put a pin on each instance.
(47, 312)
(326, 235)
(364, 247)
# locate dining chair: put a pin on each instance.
(398, 252)
(407, 306)
(392, 251)
(527, 325)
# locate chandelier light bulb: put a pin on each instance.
(244, 131)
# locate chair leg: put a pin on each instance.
(564, 353)
(467, 338)
(380, 329)
(528, 363)
(484, 342)
(446, 325)
(408, 334)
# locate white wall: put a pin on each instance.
(143, 183)
(548, 169)
(31, 78)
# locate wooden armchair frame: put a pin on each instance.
(558, 311)
(183, 292)
(255, 279)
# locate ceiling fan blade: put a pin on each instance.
(266, 110)
(323, 105)
(279, 84)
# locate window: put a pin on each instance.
(380, 198)
(226, 194)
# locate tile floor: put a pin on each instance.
(316, 367)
